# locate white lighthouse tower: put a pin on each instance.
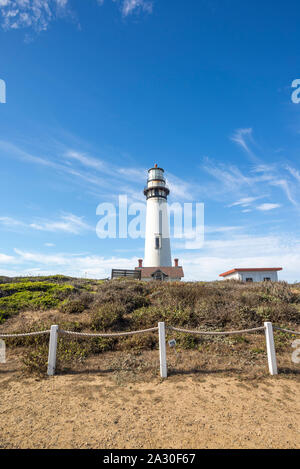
(157, 261)
(157, 242)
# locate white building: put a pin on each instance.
(157, 262)
(252, 275)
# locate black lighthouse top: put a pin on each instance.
(156, 184)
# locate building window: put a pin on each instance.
(249, 279)
(159, 275)
(267, 279)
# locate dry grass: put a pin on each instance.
(131, 305)
(107, 393)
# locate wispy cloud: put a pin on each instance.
(286, 187)
(267, 207)
(243, 251)
(218, 255)
(38, 14)
(241, 137)
(258, 182)
(131, 6)
(4, 259)
(68, 223)
(85, 160)
(10, 222)
(70, 264)
(101, 174)
(245, 201)
(294, 173)
(221, 229)
(230, 177)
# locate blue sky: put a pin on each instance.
(99, 91)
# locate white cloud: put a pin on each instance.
(68, 223)
(294, 173)
(4, 259)
(216, 256)
(240, 137)
(38, 14)
(286, 187)
(10, 222)
(73, 264)
(266, 207)
(221, 229)
(231, 179)
(85, 160)
(245, 201)
(129, 6)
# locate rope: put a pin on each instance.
(120, 334)
(177, 329)
(26, 334)
(115, 334)
(286, 330)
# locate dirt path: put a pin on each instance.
(89, 410)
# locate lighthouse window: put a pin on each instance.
(157, 246)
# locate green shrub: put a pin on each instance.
(73, 306)
(16, 297)
(108, 316)
(35, 361)
(146, 341)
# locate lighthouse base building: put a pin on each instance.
(169, 274)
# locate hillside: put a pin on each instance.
(107, 393)
(31, 304)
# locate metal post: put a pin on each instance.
(272, 362)
(162, 350)
(52, 350)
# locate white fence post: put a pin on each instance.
(52, 350)
(272, 362)
(162, 350)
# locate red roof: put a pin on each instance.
(259, 269)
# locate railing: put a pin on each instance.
(161, 328)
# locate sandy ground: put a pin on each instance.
(90, 410)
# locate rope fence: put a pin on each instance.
(25, 334)
(113, 334)
(177, 329)
(286, 330)
(161, 328)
